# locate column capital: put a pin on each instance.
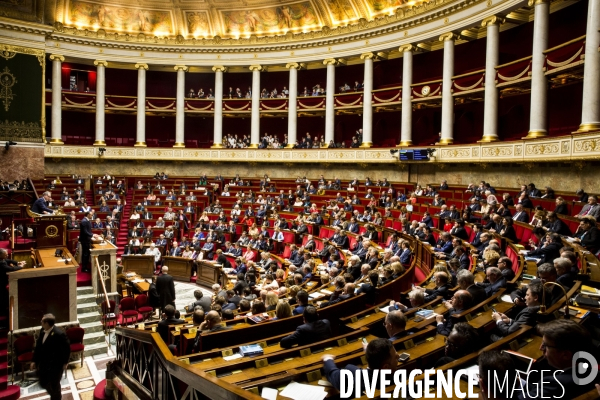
(333, 61)
(57, 57)
(257, 67)
(181, 67)
(407, 47)
(219, 68)
(531, 3)
(295, 65)
(100, 62)
(368, 55)
(450, 36)
(492, 20)
(141, 65)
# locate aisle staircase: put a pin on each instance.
(88, 315)
(123, 227)
(89, 198)
(7, 392)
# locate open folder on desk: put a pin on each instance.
(300, 391)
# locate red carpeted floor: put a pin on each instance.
(83, 278)
(4, 244)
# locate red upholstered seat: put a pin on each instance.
(24, 346)
(25, 357)
(75, 336)
(142, 306)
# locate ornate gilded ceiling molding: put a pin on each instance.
(360, 30)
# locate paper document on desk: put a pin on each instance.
(385, 309)
(316, 295)
(325, 291)
(299, 391)
(233, 357)
(269, 394)
(137, 280)
(506, 298)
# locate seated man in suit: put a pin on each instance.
(527, 316)
(588, 235)
(370, 289)
(561, 340)
(163, 326)
(313, 330)
(343, 291)
(548, 253)
(395, 325)
(380, 354)
(466, 281)
(520, 214)
(505, 265)
(564, 271)
(442, 287)
(208, 248)
(40, 206)
(461, 300)
(496, 281)
(301, 301)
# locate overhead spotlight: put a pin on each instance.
(8, 144)
(101, 151)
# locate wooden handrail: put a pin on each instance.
(563, 45)
(513, 62)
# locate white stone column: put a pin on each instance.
(367, 125)
(407, 73)
(447, 99)
(180, 107)
(590, 115)
(293, 104)
(100, 101)
(330, 100)
(492, 54)
(57, 61)
(255, 122)
(140, 131)
(538, 120)
(218, 124)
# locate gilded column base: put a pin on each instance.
(534, 134)
(593, 126)
(253, 146)
(216, 146)
(179, 144)
(404, 143)
(445, 141)
(140, 144)
(99, 143)
(290, 145)
(488, 139)
(56, 141)
(366, 145)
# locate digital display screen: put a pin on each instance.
(414, 155)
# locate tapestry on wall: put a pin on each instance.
(21, 94)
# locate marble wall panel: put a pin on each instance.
(22, 162)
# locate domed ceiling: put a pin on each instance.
(203, 18)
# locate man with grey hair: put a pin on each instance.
(496, 281)
(563, 271)
(40, 206)
(459, 302)
(416, 298)
(466, 281)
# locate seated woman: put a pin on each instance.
(282, 310)
(509, 230)
(85, 208)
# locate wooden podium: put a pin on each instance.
(106, 253)
(142, 265)
(179, 268)
(208, 273)
(49, 289)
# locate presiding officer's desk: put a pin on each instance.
(50, 288)
(141, 264)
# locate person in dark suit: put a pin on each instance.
(505, 264)
(313, 330)
(380, 354)
(588, 236)
(85, 239)
(549, 252)
(163, 326)
(466, 281)
(561, 340)
(40, 206)
(166, 288)
(556, 225)
(527, 316)
(370, 289)
(442, 287)
(496, 281)
(520, 215)
(395, 325)
(461, 300)
(51, 355)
